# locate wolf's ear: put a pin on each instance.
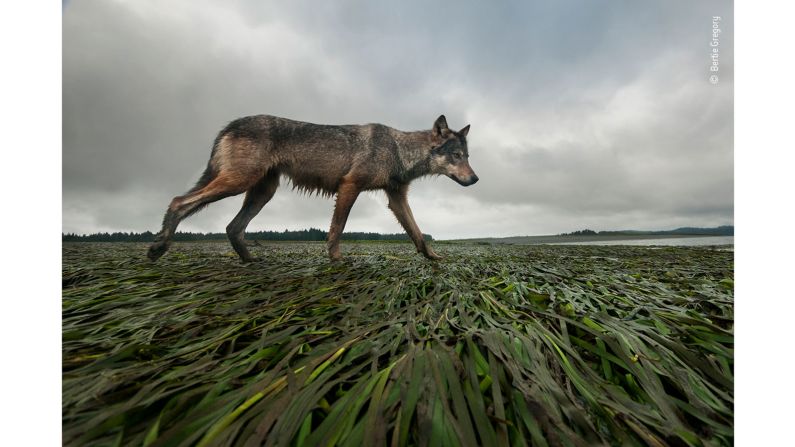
(464, 131)
(440, 126)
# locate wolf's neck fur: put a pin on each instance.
(414, 152)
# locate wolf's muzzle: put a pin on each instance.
(471, 180)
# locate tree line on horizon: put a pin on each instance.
(312, 234)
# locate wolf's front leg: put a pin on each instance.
(399, 204)
(346, 196)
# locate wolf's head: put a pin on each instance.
(449, 155)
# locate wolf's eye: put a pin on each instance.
(457, 155)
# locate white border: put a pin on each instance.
(30, 44)
(764, 190)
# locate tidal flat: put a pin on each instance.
(493, 345)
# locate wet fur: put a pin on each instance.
(251, 154)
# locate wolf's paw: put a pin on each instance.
(430, 254)
(156, 250)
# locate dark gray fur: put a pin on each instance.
(252, 153)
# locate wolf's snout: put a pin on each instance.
(471, 180)
(467, 181)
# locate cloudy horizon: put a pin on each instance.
(583, 115)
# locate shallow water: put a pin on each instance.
(678, 241)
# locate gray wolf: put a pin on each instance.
(251, 154)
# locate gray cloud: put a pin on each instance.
(594, 114)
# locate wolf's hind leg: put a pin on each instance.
(347, 193)
(256, 198)
(183, 206)
(399, 204)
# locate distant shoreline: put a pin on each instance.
(556, 239)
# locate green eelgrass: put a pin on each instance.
(495, 345)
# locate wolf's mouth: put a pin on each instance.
(470, 181)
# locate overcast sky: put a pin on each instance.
(584, 114)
